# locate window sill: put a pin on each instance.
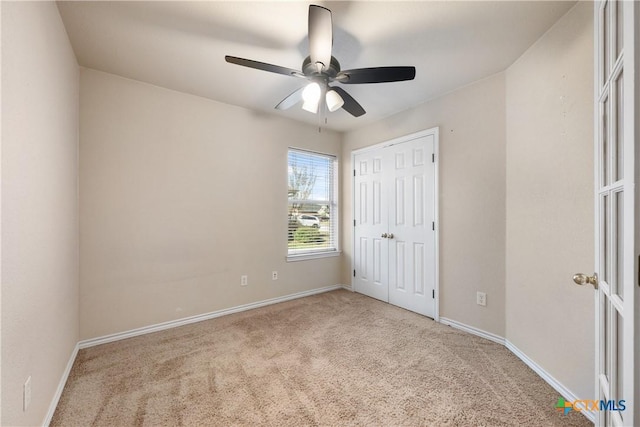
(313, 255)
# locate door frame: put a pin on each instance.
(631, 247)
(634, 108)
(435, 131)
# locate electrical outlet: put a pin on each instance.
(26, 394)
(244, 280)
(481, 299)
(274, 275)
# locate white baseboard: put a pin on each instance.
(199, 318)
(567, 394)
(346, 287)
(472, 330)
(61, 384)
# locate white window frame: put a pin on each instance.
(307, 254)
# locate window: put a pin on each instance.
(312, 204)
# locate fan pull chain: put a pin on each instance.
(321, 112)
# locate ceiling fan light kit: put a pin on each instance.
(323, 69)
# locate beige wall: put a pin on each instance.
(180, 196)
(550, 201)
(39, 207)
(516, 200)
(472, 195)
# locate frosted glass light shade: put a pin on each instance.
(334, 100)
(311, 97)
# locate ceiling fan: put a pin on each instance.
(322, 69)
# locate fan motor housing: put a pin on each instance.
(309, 69)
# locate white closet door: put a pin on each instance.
(410, 180)
(371, 251)
(394, 213)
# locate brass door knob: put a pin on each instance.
(583, 279)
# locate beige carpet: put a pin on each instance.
(332, 359)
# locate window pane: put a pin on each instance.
(618, 144)
(605, 239)
(619, 28)
(607, 343)
(619, 242)
(604, 158)
(310, 176)
(619, 358)
(606, 39)
(312, 207)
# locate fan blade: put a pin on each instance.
(263, 66)
(291, 100)
(320, 36)
(351, 106)
(376, 75)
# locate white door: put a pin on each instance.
(395, 255)
(371, 250)
(615, 204)
(412, 225)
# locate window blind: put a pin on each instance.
(312, 203)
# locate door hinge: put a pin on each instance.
(354, 172)
(433, 157)
(433, 293)
(354, 273)
(433, 225)
(354, 222)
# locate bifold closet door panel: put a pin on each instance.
(371, 250)
(410, 180)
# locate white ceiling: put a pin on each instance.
(181, 45)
